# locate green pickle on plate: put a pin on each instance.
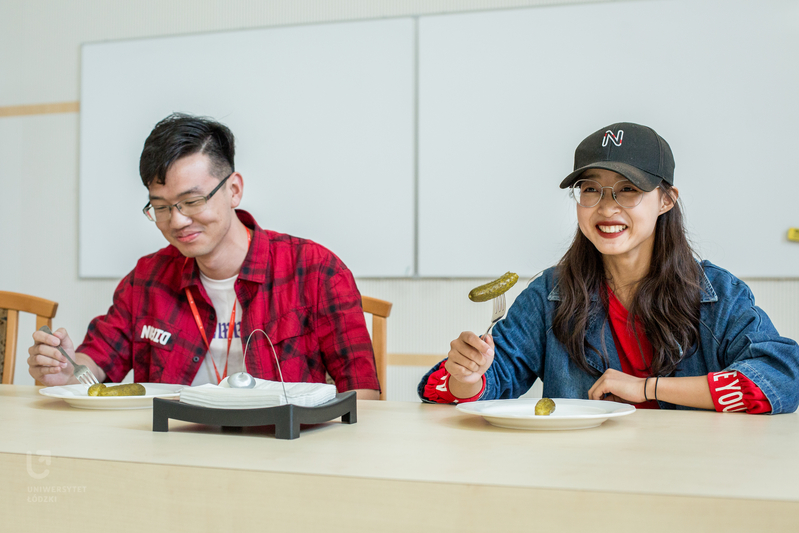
(126, 389)
(544, 407)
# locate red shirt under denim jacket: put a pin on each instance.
(297, 291)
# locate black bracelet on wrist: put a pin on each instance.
(645, 382)
(656, 387)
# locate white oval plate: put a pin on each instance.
(78, 396)
(568, 414)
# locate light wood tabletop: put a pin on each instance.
(403, 466)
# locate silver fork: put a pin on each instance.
(499, 312)
(81, 372)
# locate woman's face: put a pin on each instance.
(618, 232)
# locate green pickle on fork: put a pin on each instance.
(491, 290)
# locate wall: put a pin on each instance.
(40, 64)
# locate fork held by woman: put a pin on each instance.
(498, 313)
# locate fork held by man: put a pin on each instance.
(81, 372)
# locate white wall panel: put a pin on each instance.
(323, 117)
(45, 35)
(506, 96)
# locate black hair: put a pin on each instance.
(180, 135)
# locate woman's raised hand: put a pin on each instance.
(468, 359)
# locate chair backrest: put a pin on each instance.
(379, 309)
(11, 303)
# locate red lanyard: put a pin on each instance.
(230, 330)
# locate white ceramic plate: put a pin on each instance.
(78, 396)
(568, 414)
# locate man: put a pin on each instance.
(187, 313)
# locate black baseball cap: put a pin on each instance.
(636, 152)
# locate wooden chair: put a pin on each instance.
(379, 309)
(11, 303)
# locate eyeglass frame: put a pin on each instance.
(177, 204)
(602, 193)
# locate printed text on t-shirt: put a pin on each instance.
(156, 335)
(222, 330)
(731, 394)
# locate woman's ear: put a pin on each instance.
(668, 199)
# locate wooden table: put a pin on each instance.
(402, 467)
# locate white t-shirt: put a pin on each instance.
(223, 295)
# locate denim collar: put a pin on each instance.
(708, 293)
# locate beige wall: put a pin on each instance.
(40, 64)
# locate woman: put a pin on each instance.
(628, 314)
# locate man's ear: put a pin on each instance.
(668, 199)
(236, 188)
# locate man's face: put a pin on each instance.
(201, 234)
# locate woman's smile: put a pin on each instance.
(611, 230)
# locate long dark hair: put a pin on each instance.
(665, 303)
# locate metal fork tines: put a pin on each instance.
(81, 372)
(499, 312)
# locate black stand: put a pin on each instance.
(285, 418)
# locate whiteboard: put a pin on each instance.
(506, 96)
(323, 117)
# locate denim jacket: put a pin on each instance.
(734, 335)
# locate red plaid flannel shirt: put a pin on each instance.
(297, 291)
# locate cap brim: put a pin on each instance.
(641, 179)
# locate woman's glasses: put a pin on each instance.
(588, 193)
(188, 207)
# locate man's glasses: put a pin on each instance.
(588, 193)
(188, 207)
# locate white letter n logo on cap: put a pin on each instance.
(615, 139)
